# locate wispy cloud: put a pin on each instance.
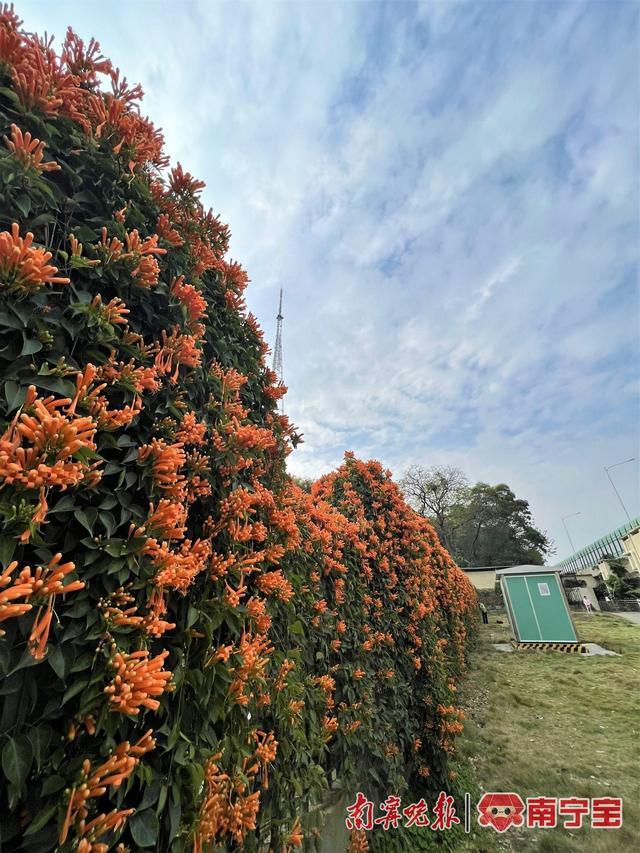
(448, 194)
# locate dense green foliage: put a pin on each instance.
(192, 645)
(480, 525)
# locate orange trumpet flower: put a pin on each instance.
(28, 151)
(24, 268)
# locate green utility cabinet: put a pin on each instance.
(536, 605)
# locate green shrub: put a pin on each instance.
(193, 646)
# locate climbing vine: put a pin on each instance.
(193, 649)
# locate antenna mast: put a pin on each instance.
(277, 352)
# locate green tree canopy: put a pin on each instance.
(480, 525)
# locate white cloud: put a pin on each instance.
(448, 194)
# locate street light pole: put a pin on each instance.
(622, 504)
(607, 468)
(566, 529)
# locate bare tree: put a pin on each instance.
(432, 492)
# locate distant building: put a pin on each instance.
(631, 543)
(585, 571)
(624, 542)
(482, 577)
(589, 580)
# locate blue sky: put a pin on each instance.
(448, 193)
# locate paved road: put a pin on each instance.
(631, 617)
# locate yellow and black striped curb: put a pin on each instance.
(576, 648)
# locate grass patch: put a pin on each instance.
(550, 723)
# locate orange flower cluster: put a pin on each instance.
(145, 273)
(97, 404)
(222, 653)
(286, 667)
(227, 809)
(193, 302)
(24, 268)
(28, 151)
(257, 612)
(40, 587)
(145, 269)
(112, 773)
(449, 728)
(167, 460)
(274, 583)
(207, 237)
(191, 430)
(76, 254)
(263, 755)
(38, 447)
(358, 842)
(295, 836)
(253, 654)
(175, 351)
(251, 437)
(68, 85)
(177, 569)
(152, 623)
(114, 312)
(166, 521)
(137, 679)
(167, 233)
(329, 727)
(13, 601)
(138, 378)
(328, 685)
(296, 706)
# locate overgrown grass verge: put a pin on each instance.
(555, 724)
(546, 723)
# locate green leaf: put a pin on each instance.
(30, 346)
(77, 687)
(10, 95)
(87, 518)
(14, 394)
(56, 384)
(57, 661)
(109, 522)
(26, 660)
(144, 828)
(42, 219)
(40, 738)
(7, 548)
(10, 322)
(52, 784)
(17, 757)
(109, 502)
(41, 820)
(151, 794)
(192, 615)
(23, 203)
(175, 811)
(114, 547)
(162, 799)
(65, 504)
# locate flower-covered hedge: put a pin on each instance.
(192, 646)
